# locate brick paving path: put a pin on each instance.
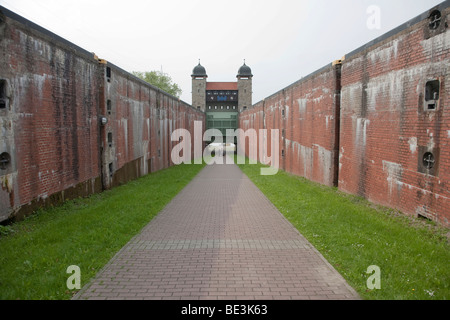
(220, 238)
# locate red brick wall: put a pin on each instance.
(51, 121)
(365, 127)
(385, 130)
(142, 120)
(305, 115)
(56, 94)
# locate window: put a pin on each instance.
(108, 107)
(108, 74)
(428, 160)
(111, 170)
(432, 95)
(4, 101)
(5, 159)
(110, 139)
(435, 20)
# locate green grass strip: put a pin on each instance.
(35, 253)
(353, 234)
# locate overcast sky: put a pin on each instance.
(281, 40)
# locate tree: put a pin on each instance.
(161, 80)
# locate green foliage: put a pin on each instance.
(5, 230)
(160, 80)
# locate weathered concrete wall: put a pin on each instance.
(387, 128)
(53, 95)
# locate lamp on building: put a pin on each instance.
(103, 120)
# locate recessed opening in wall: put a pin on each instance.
(5, 160)
(111, 170)
(108, 74)
(422, 217)
(159, 153)
(109, 107)
(110, 139)
(3, 98)
(282, 153)
(435, 19)
(428, 160)
(432, 94)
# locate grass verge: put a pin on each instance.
(353, 234)
(35, 253)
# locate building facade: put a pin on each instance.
(222, 101)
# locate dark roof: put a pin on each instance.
(199, 71)
(245, 71)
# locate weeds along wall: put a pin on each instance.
(72, 124)
(376, 123)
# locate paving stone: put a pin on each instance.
(219, 238)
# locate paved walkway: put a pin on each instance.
(219, 238)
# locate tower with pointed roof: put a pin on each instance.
(222, 101)
(199, 77)
(244, 84)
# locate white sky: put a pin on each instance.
(281, 40)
